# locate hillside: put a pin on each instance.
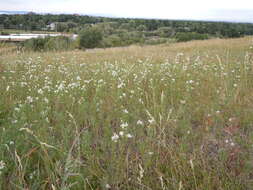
(124, 31)
(173, 116)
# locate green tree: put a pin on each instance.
(165, 32)
(61, 27)
(90, 38)
(141, 28)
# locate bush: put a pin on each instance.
(112, 41)
(123, 39)
(165, 32)
(187, 36)
(49, 44)
(155, 41)
(90, 38)
(59, 43)
(4, 33)
(128, 38)
(35, 44)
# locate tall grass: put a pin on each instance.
(177, 117)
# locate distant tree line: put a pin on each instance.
(111, 32)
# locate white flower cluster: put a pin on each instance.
(116, 136)
(122, 133)
(2, 166)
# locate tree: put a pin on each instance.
(61, 27)
(90, 38)
(165, 32)
(141, 28)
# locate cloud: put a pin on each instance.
(230, 15)
(165, 9)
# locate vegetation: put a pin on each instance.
(4, 33)
(90, 38)
(49, 44)
(183, 36)
(124, 32)
(175, 116)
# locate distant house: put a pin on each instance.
(51, 26)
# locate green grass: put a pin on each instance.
(157, 117)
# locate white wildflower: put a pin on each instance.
(23, 84)
(125, 111)
(40, 91)
(232, 119)
(151, 121)
(87, 81)
(129, 135)
(46, 100)
(107, 186)
(115, 137)
(121, 85)
(61, 86)
(191, 163)
(121, 133)
(141, 173)
(182, 101)
(2, 165)
(17, 109)
(124, 125)
(14, 121)
(114, 73)
(139, 122)
(29, 99)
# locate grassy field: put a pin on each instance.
(170, 117)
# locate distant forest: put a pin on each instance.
(125, 31)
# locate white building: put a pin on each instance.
(51, 26)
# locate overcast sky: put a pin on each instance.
(225, 10)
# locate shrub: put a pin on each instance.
(49, 44)
(59, 43)
(155, 41)
(90, 38)
(112, 41)
(35, 44)
(4, 33)
(187, 36)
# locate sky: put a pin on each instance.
(223, 10)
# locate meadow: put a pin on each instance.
(172, 117)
